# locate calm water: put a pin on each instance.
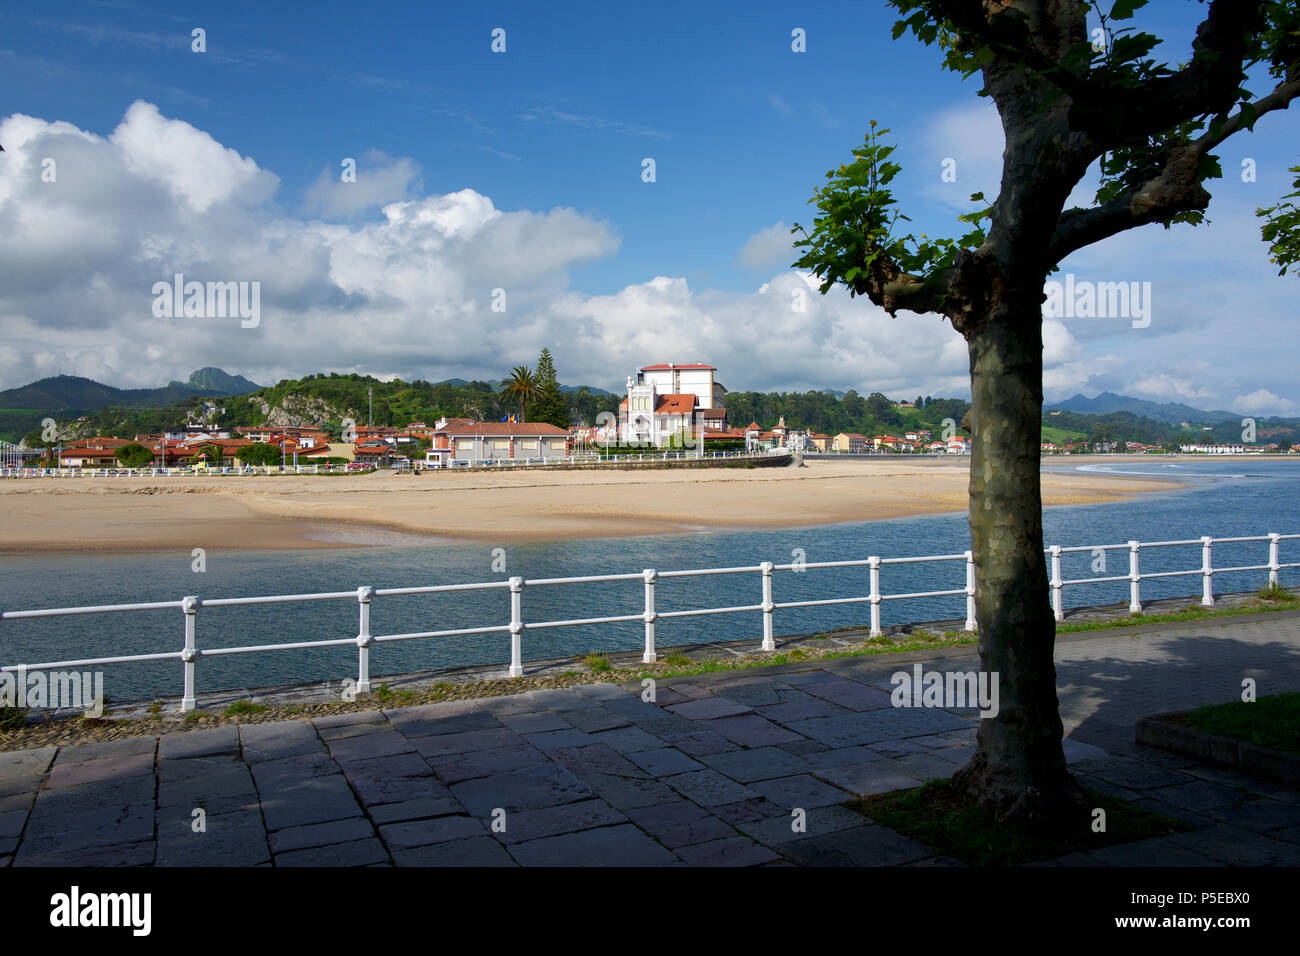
(1238, 497)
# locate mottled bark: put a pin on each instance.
(1019, 766)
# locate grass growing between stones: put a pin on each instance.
(1267, 722)
(12, 718)
(939, 817)
(1269, 599)
(241, 707)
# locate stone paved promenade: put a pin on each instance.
(708, 774)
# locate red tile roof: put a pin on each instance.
(676, 404)
(663, 367)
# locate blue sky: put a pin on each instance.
(542, 148)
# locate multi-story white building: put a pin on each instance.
(665, 400)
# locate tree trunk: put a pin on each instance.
(1018, 769)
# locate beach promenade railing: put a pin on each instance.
(646, 613)
(591, 456)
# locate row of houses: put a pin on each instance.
(856, 444)
(853, 443)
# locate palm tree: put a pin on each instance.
(522, 387)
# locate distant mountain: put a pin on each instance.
(1171, 413)
(218, 382)
(74, 393)
(462, 382)
(591, 388)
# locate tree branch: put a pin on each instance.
(889, 287)
(1112, 116)
(1109, 114)
(1177, 188)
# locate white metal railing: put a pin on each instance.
(593, 457)
(647, 613)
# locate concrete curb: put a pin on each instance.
(1226, 752)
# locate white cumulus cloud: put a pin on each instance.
(770, 248)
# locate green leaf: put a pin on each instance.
(1123, 9)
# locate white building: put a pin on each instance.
(665, 400)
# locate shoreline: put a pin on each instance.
(113, 515)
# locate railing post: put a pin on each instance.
(1207, 571)
(1057, 612)
(364, 596)
(650, 616)
(873, 564)
(769, 642)
(1274, 539)
(516, 627)
(970, 591)
(190, 605)
(1134, 601)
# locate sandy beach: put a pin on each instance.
(274, 512)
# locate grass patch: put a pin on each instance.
(1277, 595)
(1272, 721)
(12, 718)
(598, 663)
(1188, 614)
(676, 659)
(242, 707)
(947, 822)
(382, 692)
(155, 709)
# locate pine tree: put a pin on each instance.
(549, 406)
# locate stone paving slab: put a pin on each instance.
(732, 851)
(524, 825)
(622, 845)
(22, 771)
(266, 742)
(756, 768)
(356, 853)
(759, 763)
(316, 800)
(417, 833)
(227, 839)
(680, 823)
(473, 851)
(856, 846)
(219, 741)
